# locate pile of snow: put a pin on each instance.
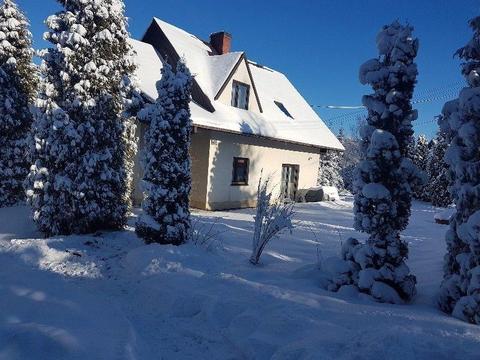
(316, 194)
(109, 296)
(330, 193)
(444, 216)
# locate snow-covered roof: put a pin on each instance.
(212, 71)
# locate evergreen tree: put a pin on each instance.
(460, 121)
(351, 156)
(437, 187)
(420, 159)
(385, 176)
(83, 133)
(329, 172)
(18, 81)
(167, 179)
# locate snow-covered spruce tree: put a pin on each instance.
(18, 81)
(384, 178)
(460, 121)
(167, 179)
(329, 172)
(439, 179)
(83, 140)
(350, 157)
(420, 159)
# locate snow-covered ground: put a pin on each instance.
(108, 296)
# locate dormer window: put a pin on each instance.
(240, 95)
(284, 109)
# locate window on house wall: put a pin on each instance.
(283, 108)
(240, 171)
(240, 95)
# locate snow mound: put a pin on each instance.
(444, 216)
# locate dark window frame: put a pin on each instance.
(235, 100)
(235, 181)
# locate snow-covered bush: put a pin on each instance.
(460, 121)
(385, 176)
(271, 218)
(438, 174)
(420, 157)
(83, 140)
(18, 81)
(206, 234)
(329, 172)
(167, 179)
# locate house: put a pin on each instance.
(248, 120)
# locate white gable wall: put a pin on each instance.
(241, 74)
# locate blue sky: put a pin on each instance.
(318, 44)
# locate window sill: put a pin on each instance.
(239, 184)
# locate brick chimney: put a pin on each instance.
(221, 42)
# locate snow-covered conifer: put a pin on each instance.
(18, 81)
(83, 140)
(329, 173)
(460, 121)
(419, 157)
(437, 188)
(384, 178)
(350, 157)
(167, 179)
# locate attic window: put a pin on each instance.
(240, 95)
(283, 108)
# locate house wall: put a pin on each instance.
(242, 75)
(265, 154)
(212, 154)
(199, 154)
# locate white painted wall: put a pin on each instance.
(265, 154)
(212, 154)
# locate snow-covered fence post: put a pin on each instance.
(167, 179)
(460, 121)
(270, 219)
(385, 176)
(18, 82)
(83, 134)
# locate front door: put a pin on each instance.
(289, 181)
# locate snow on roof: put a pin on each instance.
(149, 65)
(211, 72)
